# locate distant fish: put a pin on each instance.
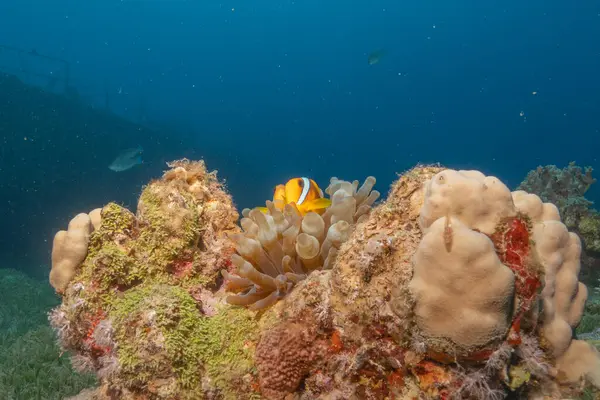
(376, 56)
(127, 159)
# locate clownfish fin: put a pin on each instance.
(264, 210)
(316, 204)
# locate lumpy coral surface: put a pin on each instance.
(452, 287)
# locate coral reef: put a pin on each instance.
(453, 287)
(566, 188)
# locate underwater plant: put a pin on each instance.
(31, 365)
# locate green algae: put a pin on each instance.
(116, 219)
(220, 347)
(171, 227)
(138, 319)
(124, 252)
(227, 343)
(109, 262)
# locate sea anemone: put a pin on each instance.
(277, 249)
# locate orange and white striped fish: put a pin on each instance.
(304, 192)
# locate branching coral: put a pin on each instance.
(279, 248)
(589, 229)
(565, 188)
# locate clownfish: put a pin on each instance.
(304, 192)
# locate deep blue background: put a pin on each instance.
(269, 90)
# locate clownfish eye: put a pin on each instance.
(301, 183)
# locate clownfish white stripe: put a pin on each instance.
(305, 191)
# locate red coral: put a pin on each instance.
(336, 342)
(512, 246)
(395, 379)
(227, 264)
(514, 335)
(182, 268)
(95, 349)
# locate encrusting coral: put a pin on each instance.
(284, 357)
(280, 247)
(454, 287)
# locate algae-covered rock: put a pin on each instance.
(589, 229)
(168, 347)
(143, 310)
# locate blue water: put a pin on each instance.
(269, 90)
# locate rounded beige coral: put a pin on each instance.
(563, 296)
(70, 247)
(479, 201)
(463, 292)
(464, 295)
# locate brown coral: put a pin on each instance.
(284, 356)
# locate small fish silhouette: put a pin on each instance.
(127, 159)
(376, 56)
